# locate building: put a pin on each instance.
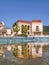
(8, 31)
(28, 50)
(4, 31)
(34, 27)
(1, 25)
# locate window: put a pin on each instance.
(28, 46)
(28, 27)
(37, 28)
(28, 33)
(28, 51)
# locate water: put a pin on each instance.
(11, 60)
(15, 40)
(9, 54)
(16, 61)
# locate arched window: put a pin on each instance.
(28, 27)
(28, 33)
(28, 46)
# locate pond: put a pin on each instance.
(11, 60)
(16, 61)
(15, 40)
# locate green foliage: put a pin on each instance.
(15, 52)
(23, 35)
(24, 29)
(46, 48)
(15, 28)
(24, 50)
(46, 33)
(46, 30)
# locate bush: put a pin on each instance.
(23, 35)
(46, 48)
(15, 52)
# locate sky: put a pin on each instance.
(13, 10)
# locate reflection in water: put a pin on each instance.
(16, 61)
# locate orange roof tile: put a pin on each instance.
(36, 21)
(29, 22)
(23, 21)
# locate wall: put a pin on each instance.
(32, 27)
(34, 24)
(8, 31)
(20, 24)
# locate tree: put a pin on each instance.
(15, 52)
(24, 50)
(15, 28)
(24, 29)
(46, 48)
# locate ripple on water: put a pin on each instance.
(16, 61)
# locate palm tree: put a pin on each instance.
(15, 28)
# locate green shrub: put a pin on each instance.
(46, 48)
(15, 52)
(23, 35)
(24, 50)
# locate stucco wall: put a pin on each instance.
(32, 27)
(20, 24)
(34, 24)
(8, 31)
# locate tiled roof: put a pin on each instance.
(29, 22)
(24, 21)
(36, 21)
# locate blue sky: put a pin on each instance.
(13, 10)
